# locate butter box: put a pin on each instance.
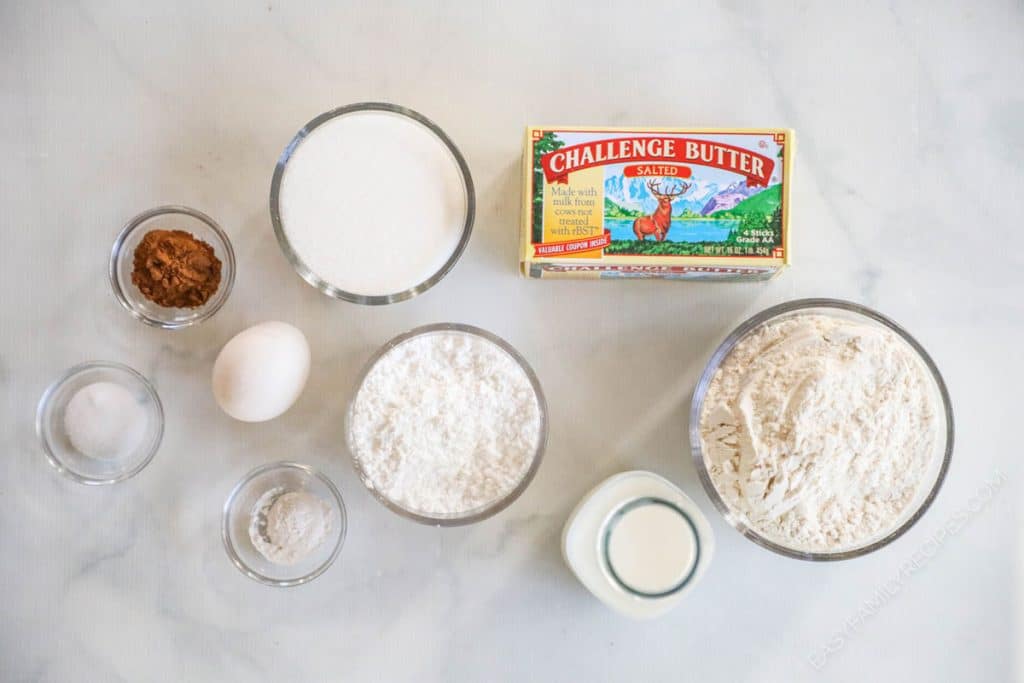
(673, 203)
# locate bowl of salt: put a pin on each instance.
(100, 423)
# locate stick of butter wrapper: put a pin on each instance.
(671, 203)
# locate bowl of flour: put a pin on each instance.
(821, 429)
(448, 425)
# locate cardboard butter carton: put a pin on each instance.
(674, 203)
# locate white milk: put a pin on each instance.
(651, 548)
(373, 202)
(634, 526)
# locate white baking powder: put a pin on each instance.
(373, 202)
(288, 526)
(445, 422)
(821, 432)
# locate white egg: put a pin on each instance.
(261, 371)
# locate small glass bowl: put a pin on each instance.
(485, 511)
(241, 506)
(849, 311)
(122, 257)
(313, 278)
(56, 444)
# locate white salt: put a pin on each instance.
(104, 420)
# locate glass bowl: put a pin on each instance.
(242, 503)
(56, 444)
(492, 508)
(928, 488)
(313, 278)
(122, 257)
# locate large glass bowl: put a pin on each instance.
(315, 279)
(836, 308)
(492, 508)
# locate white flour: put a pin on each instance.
(445, 423)
(821, 431)
(287, 527)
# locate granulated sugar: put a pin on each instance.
(445, 423)
(821, 431)
(373, 202)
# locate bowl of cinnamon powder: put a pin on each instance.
(172, 267)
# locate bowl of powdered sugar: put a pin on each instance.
(821, 429)
(448, 425)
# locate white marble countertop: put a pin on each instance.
(910, 137)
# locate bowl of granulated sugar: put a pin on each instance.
(448, 425)
(372, 203)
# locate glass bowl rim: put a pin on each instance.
(304, 271)
(47, 398)
(499, 504)
(225, 533)
(227, 278)
(726, 347)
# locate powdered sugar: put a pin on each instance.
(444, 423)
(821, 431)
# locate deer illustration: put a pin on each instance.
(657, 223)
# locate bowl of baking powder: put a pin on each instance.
(448, 425)
(821, 429)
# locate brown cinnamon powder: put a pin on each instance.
(173, 268)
